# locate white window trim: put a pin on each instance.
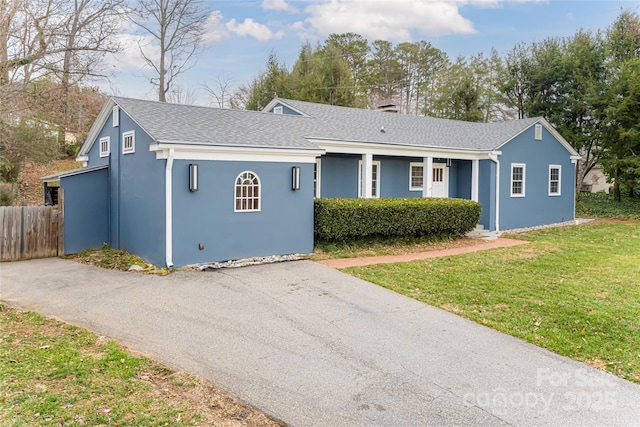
(115, 116)
(105, 153)
(411, 165)
(132, 134)
(537, 135)
(559, 167)
(235, 199)
(524, 179)
(318, 177)
(278, 110)
(373, 163)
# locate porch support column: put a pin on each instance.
(367, 175)
(475, 171)
(427, 177)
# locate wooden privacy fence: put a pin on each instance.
(29, 232)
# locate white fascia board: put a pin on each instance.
(350, 147)
(92, 136)
(244, 154)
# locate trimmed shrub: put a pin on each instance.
(349, 219)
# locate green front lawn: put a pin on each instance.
(573, 290)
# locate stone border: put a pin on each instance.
(245, 262)
(576, 221)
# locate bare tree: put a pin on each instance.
(47, 47)
(176, 28)
(88, 35)
(220, 94)
(180, 95)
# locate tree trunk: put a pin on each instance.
(616, 184)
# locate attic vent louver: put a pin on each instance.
(538, 132)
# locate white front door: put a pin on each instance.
(440, 186)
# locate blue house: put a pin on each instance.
(178, 184)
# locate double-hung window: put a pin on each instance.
(555, 173)
(518, 179)
(416, 176)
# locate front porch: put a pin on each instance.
(346, 173)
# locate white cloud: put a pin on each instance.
(214, 30)
(278, 5)
(129, 57)
(388, 20)
(251, 28)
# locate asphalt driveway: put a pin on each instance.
(312, 346)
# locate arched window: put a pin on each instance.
(247, 192)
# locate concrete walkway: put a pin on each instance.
(387, 259)
(315, 347)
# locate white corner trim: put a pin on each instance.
(494, 157)
(168, 198)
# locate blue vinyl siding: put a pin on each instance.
(138, 197)
(113, 134)
(284, 224)
(461, 171)
(537, 207)
(339, 176)
(86, 210)
(486, 193)
(394, 176)
(286, 110)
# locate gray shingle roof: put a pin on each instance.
(176, 123)
(188, 124)
(355, 124)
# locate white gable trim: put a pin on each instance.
(542, 121)
(244, 154)
(275, 102)
(94, 132)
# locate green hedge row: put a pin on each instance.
(348, 219)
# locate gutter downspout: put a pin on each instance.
(168, 220)
(494, 157)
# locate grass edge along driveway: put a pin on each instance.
(572, 290)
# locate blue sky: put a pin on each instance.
(241, 34)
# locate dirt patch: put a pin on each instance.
(217, 408)
(597, 363)
(30, 187)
